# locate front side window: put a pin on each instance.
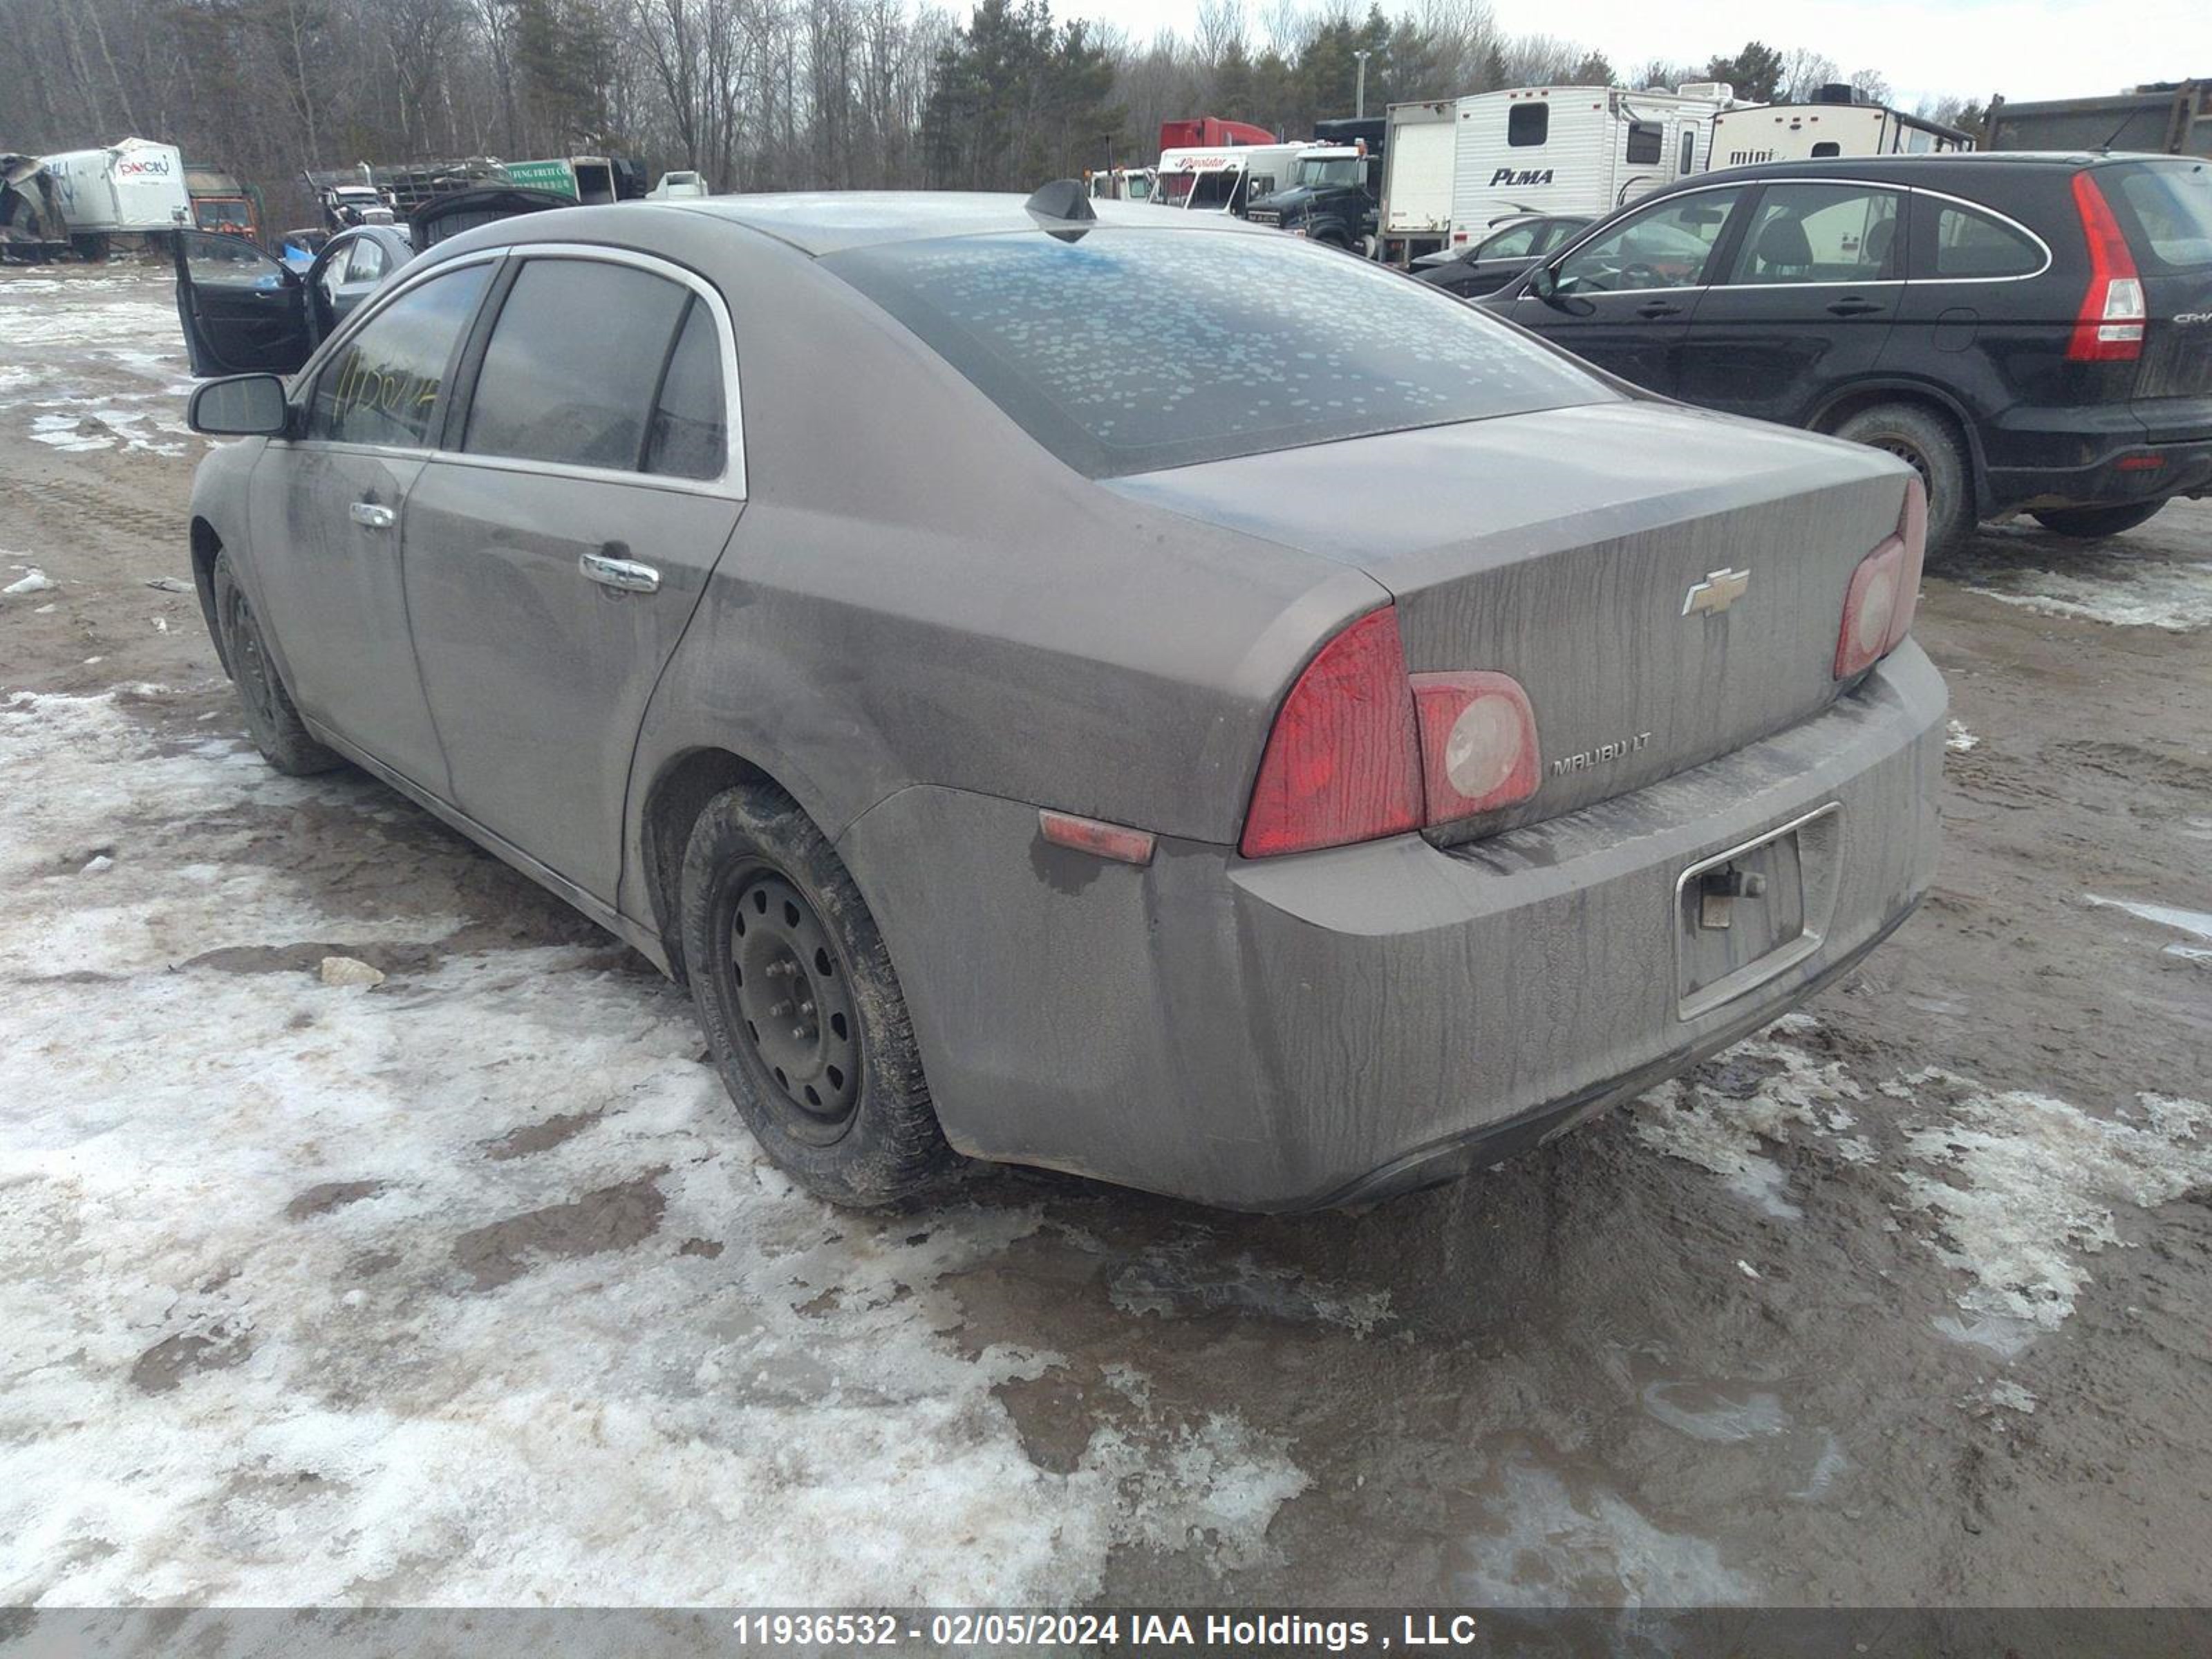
(385, 385)
(574, 364)
(1665, 245)
(1820, 233)
(1968, 243)
(1645, 141)
(1128, 350)
(1527, 124)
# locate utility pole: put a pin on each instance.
(1360, 98)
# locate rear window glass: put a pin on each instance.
(2169, 205)
(1126, 350)
(1527, 124)
(1971, 244)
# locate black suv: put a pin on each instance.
(2031, 332)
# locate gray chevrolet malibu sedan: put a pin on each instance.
(1084, 686)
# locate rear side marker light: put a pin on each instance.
(2109, 328)
(2140, 463)
(1106, 841)
(1477, 742)
(1885, 590)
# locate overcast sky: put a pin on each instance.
(1925, 48)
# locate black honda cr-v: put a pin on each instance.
(2031, 332)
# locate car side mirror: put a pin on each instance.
(240, 406)
(1544, 283)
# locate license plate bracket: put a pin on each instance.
(1745, 914)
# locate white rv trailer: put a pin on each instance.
(1223, 179)
(1830, 126)
(133, 185)
(1453, 167)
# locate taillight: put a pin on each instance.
(1362, 749)
(1477, 742)
(2109, 328)
(1885, 590)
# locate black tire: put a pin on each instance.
(1932, 444)
(271, 721)
(2090, 523)
(774, 929)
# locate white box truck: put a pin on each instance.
(1454, 167)
(1834, 124)
(1224, 179)
(135, 186)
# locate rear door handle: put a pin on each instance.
(1853, 307)
(372, 516)
(1657, 308)
(624, 576)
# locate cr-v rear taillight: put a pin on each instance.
(1885, 590)
(1361, 749)
(2109, 328)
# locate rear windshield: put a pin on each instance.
(1131, 349)
(2168, 207)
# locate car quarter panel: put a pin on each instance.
(918, 592)
(1284, 1033)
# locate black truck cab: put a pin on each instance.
(1335, 192)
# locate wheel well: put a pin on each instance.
(672, 805)
(1851, 403)
(206, 545)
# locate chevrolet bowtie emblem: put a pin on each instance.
(1719, 590)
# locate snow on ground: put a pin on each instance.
(2197, 923)
(466, 1288)
(122, 325)
(2016, 1190)
(2024, 1188)
(1722, 1116)
(2125, 584)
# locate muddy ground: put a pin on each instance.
(468, 1287)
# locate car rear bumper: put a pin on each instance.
(2108, 462)
(1329, 1028)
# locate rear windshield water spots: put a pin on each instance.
(2170, 205)
(1128, 350)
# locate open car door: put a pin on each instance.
(242, 310)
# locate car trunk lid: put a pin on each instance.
(1666, 584)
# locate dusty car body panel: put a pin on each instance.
(926, 627)
(1347, 1023)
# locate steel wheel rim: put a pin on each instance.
(793, 1004)
(1910, 455)
(252, 665)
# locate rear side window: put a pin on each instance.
(1966, 242)
(690, 435)
(385, 385)
(1527, 123)
(2165, 209)
(575, 363)
(1128, 349)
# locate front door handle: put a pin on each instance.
(1853, 307)
(1657, 308)
(624, 576)
(372, 516)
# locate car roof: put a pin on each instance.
(1958, 166)
(829, 222)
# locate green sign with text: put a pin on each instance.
(557, 176)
